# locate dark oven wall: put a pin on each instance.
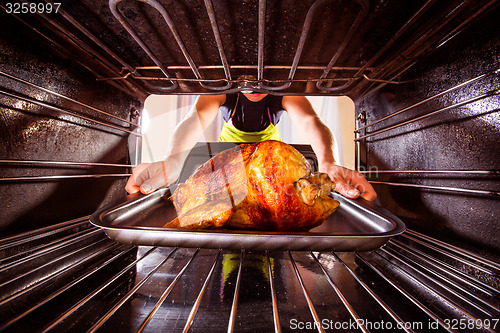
(349, 48)
(443, 123)
(39, 127)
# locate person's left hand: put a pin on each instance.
(349, 183)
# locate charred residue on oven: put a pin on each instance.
(441, 121)
(59, 125)
(401, 55)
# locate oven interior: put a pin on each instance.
(424, 76)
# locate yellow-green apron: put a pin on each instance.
(230, 133)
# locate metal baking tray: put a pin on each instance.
(356, 225)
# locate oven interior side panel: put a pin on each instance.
(459, 130)
(36, 125)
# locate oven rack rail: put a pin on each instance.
(362, 135)
(363, 79)
(491, 93)
(41, 164)
(488, 94)
(260, 81)
(494, 194)
(72, 277)
(495, 72)
(132, 129)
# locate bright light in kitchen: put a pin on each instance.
(145, 121)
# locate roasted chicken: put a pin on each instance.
(265, 186)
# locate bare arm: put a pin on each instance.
(349, 183)
(190, 130)
(147, 177)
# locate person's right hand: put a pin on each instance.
(148, 177)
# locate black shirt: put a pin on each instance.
(251, 116)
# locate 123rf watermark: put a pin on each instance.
(449, 324)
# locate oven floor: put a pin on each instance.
(71, 277)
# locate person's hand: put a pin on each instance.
(148, 177)
(349, 183)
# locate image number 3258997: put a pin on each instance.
(31, 8)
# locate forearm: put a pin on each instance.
(318, 134)
(321, 140)
(191, 129)
(147, 177)
(348, 182)
(184, 138)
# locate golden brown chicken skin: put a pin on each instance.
(265, 186)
